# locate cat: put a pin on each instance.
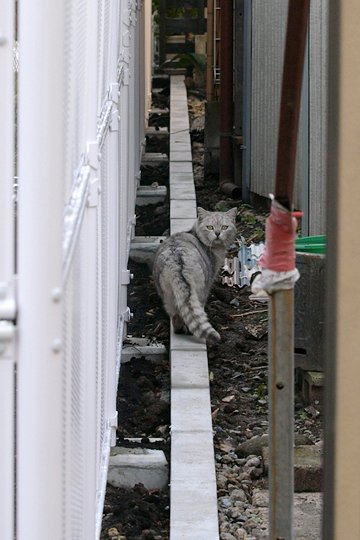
(185, 267)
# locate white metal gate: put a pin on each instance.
(80, 125)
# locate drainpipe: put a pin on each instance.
(226, 101)
(210, 52)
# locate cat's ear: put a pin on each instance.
(201, 213)
(232, 213)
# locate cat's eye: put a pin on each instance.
(210, 227)
(224, 227)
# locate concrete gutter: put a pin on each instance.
(193, 496)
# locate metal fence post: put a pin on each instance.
(40, 479)
(7, 271)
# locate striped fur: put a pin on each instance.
(185, 267)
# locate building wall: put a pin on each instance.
(268, 38)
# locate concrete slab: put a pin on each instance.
(181, 178)
(179, 137)
(188, 463)
(161, 132)
(180, 342)
(131, 466)
(183, 192)
(151, 157)
(143, 249)
(180, 225)
(183, 209)
(178, 167)
(189, 369)
(307, 513)
(308, 470)
(192, 513)
(143, 348)
(180, 156)
(190, 410)
(150, 195)
(180, 146)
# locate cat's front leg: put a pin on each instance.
(179, 325)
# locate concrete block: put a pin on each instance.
(308, 473)
(180, 155)
(150, 195)
(192, 457)
(161, 132)
(143, 249)
(143, 348)
(190, 409)
(186, 191)
(181, 178)
(157, 157)
(182, 342)
(177, 146)
(193, 512)
(180, 225)
(182, 209)
(180, 167)
(131, 466)
(189, 369)
(180, 137)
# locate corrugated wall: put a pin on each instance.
(268, 37)
(318, 96)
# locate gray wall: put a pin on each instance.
(268, 36)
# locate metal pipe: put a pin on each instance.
(210, 52)
(281, 417)
(281, 343)
(295, 44)
(226, 95)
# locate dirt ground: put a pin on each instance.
(237, 368)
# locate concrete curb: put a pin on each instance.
(193, 497)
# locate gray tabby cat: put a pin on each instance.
(185, 267)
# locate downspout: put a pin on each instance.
(227, 184)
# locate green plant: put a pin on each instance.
(187, 60)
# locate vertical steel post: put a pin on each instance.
(40, 447)
(281, 344)
(7, 271)
(281, 416)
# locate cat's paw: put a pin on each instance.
(213, 337)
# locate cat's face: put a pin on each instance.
(216, 229)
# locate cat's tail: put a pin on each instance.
(193, 314)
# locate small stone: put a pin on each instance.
(253, 462)
(225, 527)
(235, 302)
(238, 494)
(240, 534)
(227, 536)
(113, 532)
(251, 523)
(222, 481)
(256, 473)
(225, 502)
